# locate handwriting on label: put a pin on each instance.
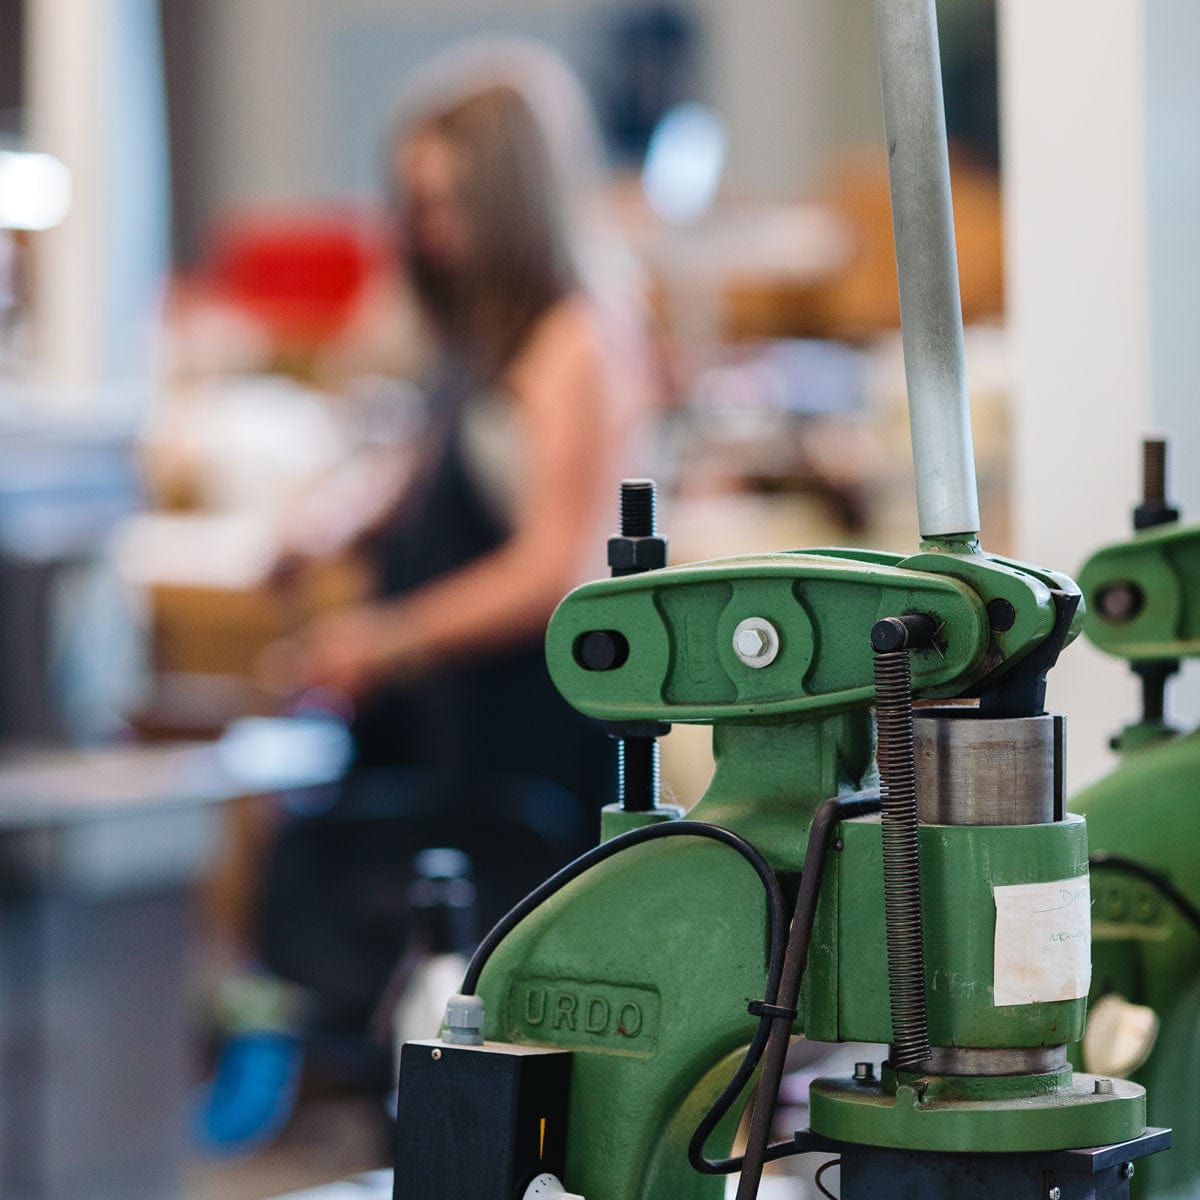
(1043, 943)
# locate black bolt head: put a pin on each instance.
(601, 650)
(1001, 615)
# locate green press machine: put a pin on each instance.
(1144, 831)
(858, 870)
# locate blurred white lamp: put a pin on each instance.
(35, 190)
(684, 163)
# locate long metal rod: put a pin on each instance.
(930, 307)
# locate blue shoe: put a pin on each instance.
(253, 1094)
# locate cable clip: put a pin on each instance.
(760, 1008)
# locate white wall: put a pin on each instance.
(1100, 103)
(299, 89)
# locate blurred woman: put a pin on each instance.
(539, 379)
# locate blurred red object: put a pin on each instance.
(300, 275)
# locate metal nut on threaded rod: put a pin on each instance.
(756, 642)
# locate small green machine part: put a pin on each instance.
(1144, 825)
(859, 869)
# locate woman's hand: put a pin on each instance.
(352, 650)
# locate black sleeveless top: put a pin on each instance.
(495, 713)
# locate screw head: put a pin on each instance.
(1055, 1193)
(436, 1055)
(1127, 1170)
(601, 650)
(1120, 602)
(1105, 1087)
(756, 642)
(864, 1070)
(1002, 616)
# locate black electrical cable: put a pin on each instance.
(795, 959)
(820, 1175)
(1118, 862)
(777, 918)
(823, 822)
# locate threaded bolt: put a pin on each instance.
(637, 508)
(638, 774)
(1154, 471)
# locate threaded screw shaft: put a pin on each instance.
(637, 508)
(1154, 470)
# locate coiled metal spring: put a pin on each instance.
(901, 861)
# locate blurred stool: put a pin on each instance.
(336, 915)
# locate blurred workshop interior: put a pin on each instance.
(212, 364)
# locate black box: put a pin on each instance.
(479, 1122)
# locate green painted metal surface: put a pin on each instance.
(960, 865)
(679, 625)
(644, 965)
(643, 968)
(1163, 563)
(1040, 1112)
(1148, 809)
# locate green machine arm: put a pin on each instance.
(1144, 825)
(676, 634)
(612, 1026)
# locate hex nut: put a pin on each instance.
(756, 642)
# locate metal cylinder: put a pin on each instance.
(930, 307)
(1009, 1060)
(974, 770)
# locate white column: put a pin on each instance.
(1073, 93)
(1173, 217)
(1173, 212)
(96, 103)
(798, 81)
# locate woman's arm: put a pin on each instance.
(570, 438)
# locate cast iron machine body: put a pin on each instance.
(1144, 829)
(942, 909)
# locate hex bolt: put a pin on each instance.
(1120, 602)
(1154, 470)
(1154, 509)
(1105, 1087)
(864, 1070)
(638, 517)
(1002, 616)
(756, 642)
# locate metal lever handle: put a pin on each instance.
(930, 307)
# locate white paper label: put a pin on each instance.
(1043, 941)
